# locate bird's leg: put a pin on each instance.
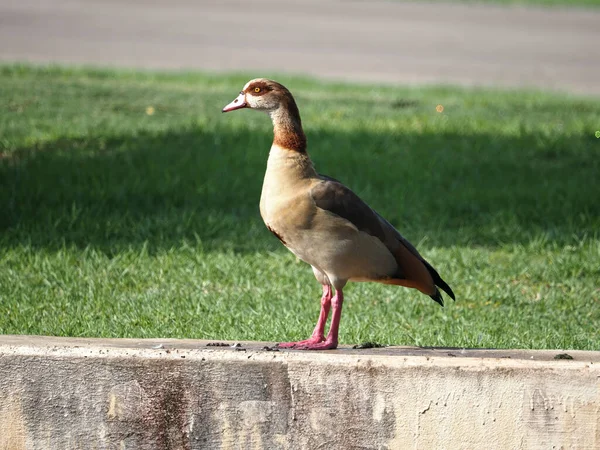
(318, 334)
(331, 341)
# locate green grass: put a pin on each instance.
(119, 223)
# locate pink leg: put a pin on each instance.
(319, 332)
(332, 338)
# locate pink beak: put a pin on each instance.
(238, 103)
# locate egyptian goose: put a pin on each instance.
(323, 222)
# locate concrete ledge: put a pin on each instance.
(62, 393)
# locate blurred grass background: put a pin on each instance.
(129, 208)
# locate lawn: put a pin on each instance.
(129, 208)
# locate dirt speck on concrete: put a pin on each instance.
(368, 345)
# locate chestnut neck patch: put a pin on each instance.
(287, 126)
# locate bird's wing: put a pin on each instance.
(336, 198)
(331, 195)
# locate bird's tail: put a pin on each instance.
(437, 297)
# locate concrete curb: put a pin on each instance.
(66, 393)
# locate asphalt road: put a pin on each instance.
(368, 40)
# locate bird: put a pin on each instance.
(324, 223)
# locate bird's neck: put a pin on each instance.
(288, 162)
(287, 128)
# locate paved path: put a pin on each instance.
(366, 40)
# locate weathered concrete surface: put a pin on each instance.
(374, 40)
(59, 393)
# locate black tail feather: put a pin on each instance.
(437, 297)
(439, 282)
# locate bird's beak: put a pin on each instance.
(238, 103)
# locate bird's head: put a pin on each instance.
(261, 94)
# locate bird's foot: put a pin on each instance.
(311, 341)
(325, 345)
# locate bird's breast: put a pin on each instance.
(286, 216)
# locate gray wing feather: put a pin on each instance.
(333, 196)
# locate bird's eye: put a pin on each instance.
(257, 90)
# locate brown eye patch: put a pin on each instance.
(258, 89)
